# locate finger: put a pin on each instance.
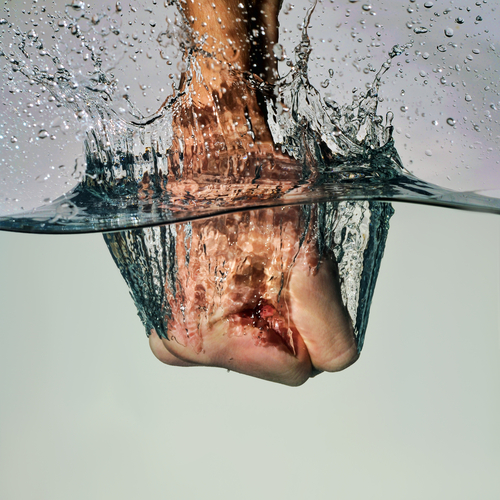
(320, 316)
(249, 350)
(163, 354)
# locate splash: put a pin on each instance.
(134, 171)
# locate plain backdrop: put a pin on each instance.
(87, 412)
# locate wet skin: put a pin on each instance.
(254, 295)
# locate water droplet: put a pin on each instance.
(330, 72)
(13, 139)
(477, 128)
(441, 48)
(428, 5)
(448, 32)
(3, 21)
(468, 98)
(366, 7)
(336, 131)
(419, 30)
(42, 134)
(404, 109)
(278, 51)
(325, 83)
(459, 20)
(443, 80)
(435, 123)
(428, 152)
(77, 6)
(479, 18)
(451, 121)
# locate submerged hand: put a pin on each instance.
(257, 298)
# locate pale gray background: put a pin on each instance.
(87, 412)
